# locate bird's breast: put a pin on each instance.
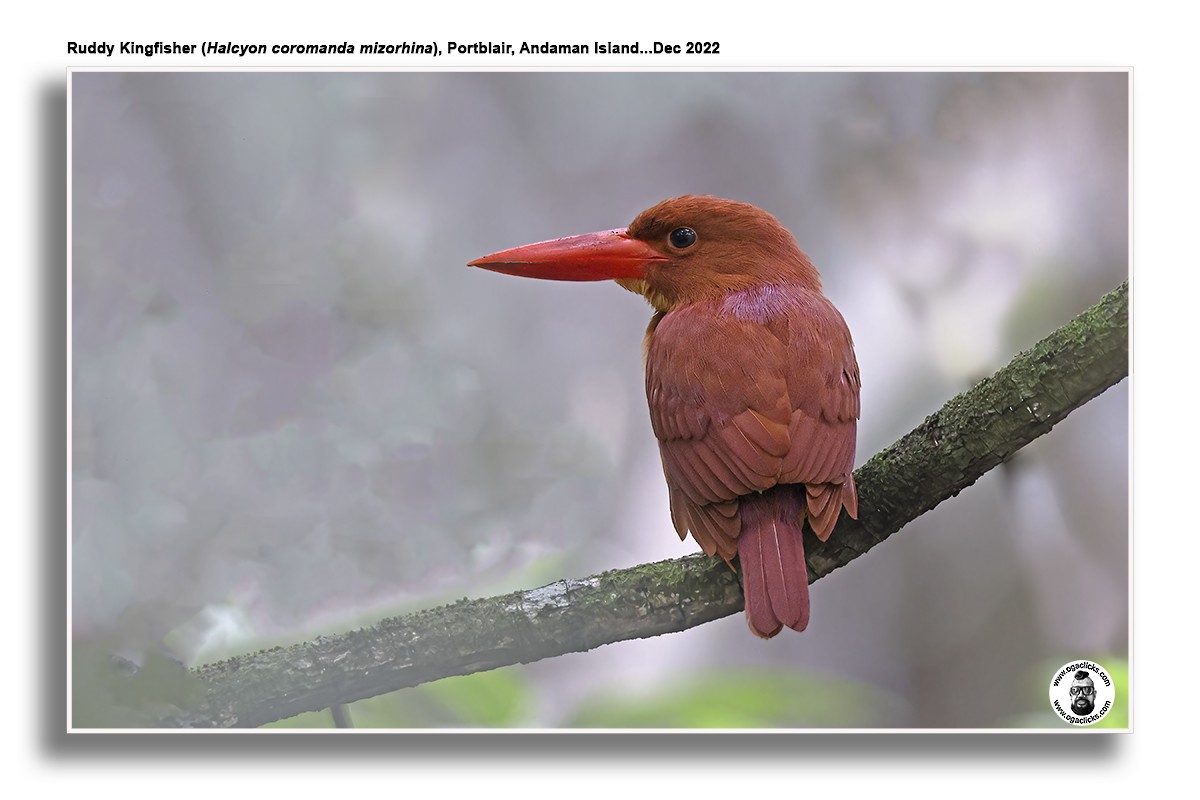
(759, 304)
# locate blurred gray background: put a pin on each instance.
(295, 410)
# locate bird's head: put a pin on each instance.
(681, 251)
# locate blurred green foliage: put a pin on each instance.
(497, 699)
(732, 698)
(111, 692)
(741, 698)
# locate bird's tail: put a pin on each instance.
(771, 552)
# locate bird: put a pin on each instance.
(751, 380)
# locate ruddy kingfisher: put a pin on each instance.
(751, 379)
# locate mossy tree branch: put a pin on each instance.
(946, 453)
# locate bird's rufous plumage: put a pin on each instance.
(751, 379)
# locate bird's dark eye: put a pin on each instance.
(683, 237)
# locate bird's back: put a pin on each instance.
(756, 391)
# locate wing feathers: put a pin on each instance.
(825, 503)
(704, 485)
(768, 436)
(757, 469)
(731, 484)
(720, 530)
(850, 497)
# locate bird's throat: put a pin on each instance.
(642, 287)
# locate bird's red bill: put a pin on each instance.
(600, 256)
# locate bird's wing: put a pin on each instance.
(744, 398)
